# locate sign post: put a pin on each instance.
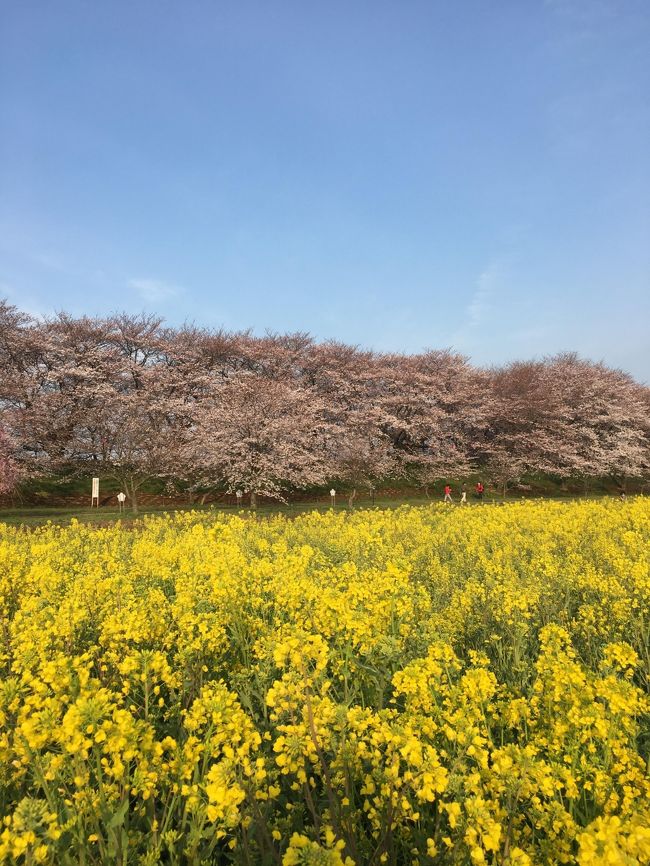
(333, 497)
(239, 495)
(94, 498)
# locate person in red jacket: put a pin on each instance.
(447, 493)
(479, 491)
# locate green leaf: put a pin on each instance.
(118, 817)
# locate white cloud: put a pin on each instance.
(154, 290)
(478, 308)
(480, 303)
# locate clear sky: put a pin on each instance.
(400, 175)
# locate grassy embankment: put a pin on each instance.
(60, 500)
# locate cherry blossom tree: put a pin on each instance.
(362, 457)
(435, 405)
(127, 397)
(604, 420)
(11, 471)
(20, 349)
(262, 436)
(17, 348)
(101, 397)
(522, 432)
(564, 417)
(351, 384)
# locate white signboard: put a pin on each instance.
(94, 499)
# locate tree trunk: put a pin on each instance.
(133, 495)
(504, 488)
(352, 497)
(621, 482)
(253, 500)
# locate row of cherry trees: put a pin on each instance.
(128, 397)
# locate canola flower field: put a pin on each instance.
(419, 686)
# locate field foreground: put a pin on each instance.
(418, 686)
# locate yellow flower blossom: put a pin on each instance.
(416, 686)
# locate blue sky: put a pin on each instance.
(399, 175)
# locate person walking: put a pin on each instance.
(463, 495)
(479, 491)
(448, 493)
